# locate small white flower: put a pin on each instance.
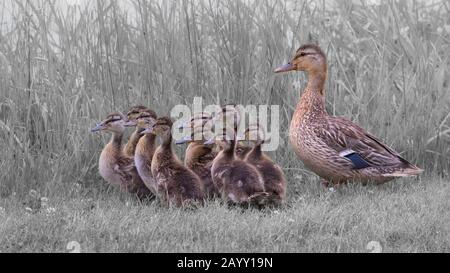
(446, 28)
(73, 247)
(404, 31)
(276, 212)
(50, 210)
(33, 193)
(2, 210)
(374, 247)
(44, 202)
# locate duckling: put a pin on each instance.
(199, 157)
(114, 166)
(230, 116)
(336, 149)
(130, 147)
(273, 176)
(237, 181)
(145, 149)
(176, 183)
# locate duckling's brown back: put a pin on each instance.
(273, 176)
(135, 184)
(175, 178)
(237, 180)
(199, 159)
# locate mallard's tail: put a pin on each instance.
(406, 172)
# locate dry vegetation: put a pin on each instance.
(63, 69)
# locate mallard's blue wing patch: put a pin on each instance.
(358, 162)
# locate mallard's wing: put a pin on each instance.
(363, 149)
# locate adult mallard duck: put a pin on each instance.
(334, 148)
(115, 166)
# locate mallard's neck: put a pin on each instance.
(316, 82)
(313, 98)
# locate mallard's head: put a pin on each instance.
(308, 58)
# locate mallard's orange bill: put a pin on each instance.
(285, 68)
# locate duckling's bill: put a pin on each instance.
(184, 140)
(209, 142)
(97, 128)
(148, 131)
(130, 123)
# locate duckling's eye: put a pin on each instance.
(111, 121)
(303, 54)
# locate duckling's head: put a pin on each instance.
(224, 140)
(200, 125)
(162, 127)
(229, 114)
(308, 58)
(145, 119)
(114, 123)
(254, 133)
(199, 119)
(135, 113)
(200, 133)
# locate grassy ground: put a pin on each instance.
(405, 216)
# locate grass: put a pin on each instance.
(63, 68)
(408, 216)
